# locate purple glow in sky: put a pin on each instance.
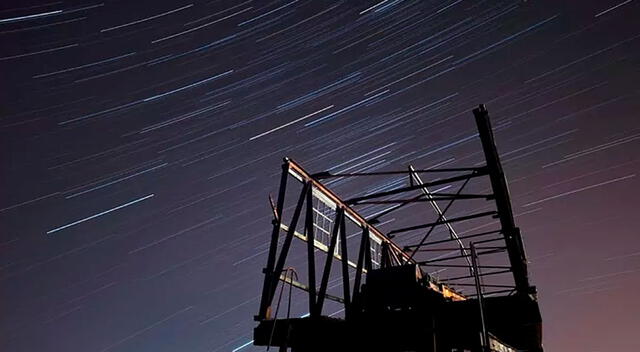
(140, 140)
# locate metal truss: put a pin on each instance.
(326, 231)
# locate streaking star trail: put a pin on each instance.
(141, 141)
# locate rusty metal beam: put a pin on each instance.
(273, 246)
(305, 288)
(286, 245)
(511, 233)
(306, 177)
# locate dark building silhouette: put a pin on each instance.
(392, 293)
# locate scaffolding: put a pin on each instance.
(464, 291)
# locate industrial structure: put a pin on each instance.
(415, 287)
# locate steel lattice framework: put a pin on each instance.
(371, 260)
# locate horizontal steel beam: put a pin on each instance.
(317, 244)
(480, 274)
(478, 173)
(458, 219)
(328, 174)
(466, 266)
(304, 287)
(435, 196)
(453, 239)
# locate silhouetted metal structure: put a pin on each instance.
(392, 298)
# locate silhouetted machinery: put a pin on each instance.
(450, 291)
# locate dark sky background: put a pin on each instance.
(140, 139)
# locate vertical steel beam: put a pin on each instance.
(311, 258)
(324, 282)
(385, 255)
(361, 258)
(512, 236)
(275, 275)
(476, 276)
(368, 265)
(345, 265)
(273, 246)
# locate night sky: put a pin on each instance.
(140, 141)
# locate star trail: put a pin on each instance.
(141, 140)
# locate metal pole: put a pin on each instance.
(364, 242)
(273, 247)
(511, 233)
(329, 260)
(484, 339)
(311, 259)
(345, 265)
(275, 275)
